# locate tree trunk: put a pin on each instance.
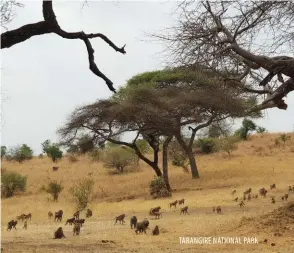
(165, 162)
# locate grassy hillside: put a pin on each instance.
(257, 163)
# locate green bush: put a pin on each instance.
(178, 156)
(3, 151)
(52, 150)
(20, 154)
(54, 189)
(157, 188)
(228, 144)
(261, 130)
(82, 192)
(247, 126)
(207, 145)
(12, 182)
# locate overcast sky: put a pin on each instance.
(44, 78)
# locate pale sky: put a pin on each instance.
(46, 77)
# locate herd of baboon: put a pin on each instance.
(141, 226)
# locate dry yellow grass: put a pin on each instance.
(256, 163)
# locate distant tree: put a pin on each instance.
(260, 129)
(20, 153)
(3, 151)
(247, 126)
(54, 188)
(218, 129)
(12, 182)
(85, 143)
(52, 150)
(73, 148)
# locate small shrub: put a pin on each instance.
(261, 130)
(52, 150)
(54, 189)
(41, 156)
(284, 138)
(95, 155)
(157, 188)
(228, 144)
(20, 154)
(82, 192)
(72, 159)
(12, 182)
(207, 145)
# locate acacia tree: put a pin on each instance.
(50, 25)
(252, 38)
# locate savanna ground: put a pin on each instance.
(257, 163)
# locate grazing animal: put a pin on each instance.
(76, 215)
(142, 226)
(181, 201)
(120, 218)
(263, 192)
(233, 192)
(58, 234)
(218, 210)
(77, 229)
(155, 230)
(28, 216)
(54, 168)
(236, 199)
(58, 216)
(80, 221)
(133, 222)
(286, 196)
(25, 225)
(173, 204)
(290, 189)
(11, 224)
(249, 197)
(70, 221)
(89, 213)
(50, 215)
(242, 204)
(247, 191)
(273, 186)
(154, 210)
(184, 210)
(213, 209)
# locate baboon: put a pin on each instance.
(120, 218)
(273, 200)
(54, 168)
(249, 197)
(158, 215)
(77, 229)
(80, 221)
(244, 197)
(154, 210)
(290, 189)
(142, 226)
(242, 204)
(173, 204)
(133, 222)
(89, 213)
(58, 234)
(70, 221)
(184, 210)
(247, 191)
(286, 196)
(233, 192)
(273, 186)
(21, 217)
(58, 215)
(28, 216)
(181, 201)
(236, 199)
(283, 198)
(218, 210)
(155, 230)
(76, 215)
(11, 224)
(263, 192)
(213, 209)
(255, 196)
(25, 225)
(50, 215)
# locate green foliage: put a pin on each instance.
(95, 155)
(20, 154)
(54, 188)
(228, 144)
(82, 192)
(73, 149)
(52, 150)
(218, 129)
(177, 155)
(261, 130)
(206, 145)
(143, 146)
(247, 126)
(85, 144)
(118, 157)
(12, 182)
(282, 138)
(3, 151)
(157, 188)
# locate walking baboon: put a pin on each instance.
(77, 229)
(290, 189)
(25, 225)
(255, 196)
(218, 210)
(70, 221)
(80, 221)
(213, 209)
(11, 224)
(263, 192)
(142, 226)
(133, 222)
(158, 215)
(236, 199)
(155, 230)
(184, 210)
(28, 216)
(181, 201)
(249, 197)
(286, 196)
(244, 197)
(58, 234)
(273, 186)
(173, 204)
(120, 218)
(76, 215)
(154, 210)
(54, 168)
(50, 215)
(89, 213)
(233, 192)
(21, 217)
(242, 204)
(58, 215)
(283, 198)
(247, 191)
(273, 200)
